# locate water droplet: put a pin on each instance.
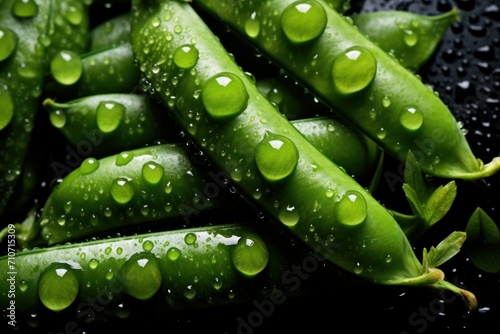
(89, 165)
(411, 118)
(189, 292)
(73, 11)
(276, 157)
(23, 286)
(93, 263)
(173, 253)
(109, 115)
(386, 101)
(7, 108)
(24, 8)
(58, 287)
(250, 255)
(58, 118)
(141, 276)
(353, 70)
(303, 21)
(381, 133)
(66, 67)
(147, 245)
(351, 209)
(252, 26)
(152, 172)
(122, 190)
(119, 251)
(288, 215)
(190, 238)
(224, 96)
(124, 158)
(410, 37)
(358, 268)
(186, 56)
(110, 273)
(8, 43)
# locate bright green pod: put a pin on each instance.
(436, 138)
(104, 71)
(411, 38)
(22, 70)
(306, 203)
(147, 184)
(168, 271)
(111, 123)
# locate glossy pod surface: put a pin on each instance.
(146, 184)
(112, 122)
(350, 73)
(162, 271)
(312, 197)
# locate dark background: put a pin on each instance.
(465, 71)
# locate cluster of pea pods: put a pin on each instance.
(169, 138)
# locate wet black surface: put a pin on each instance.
(465, 71)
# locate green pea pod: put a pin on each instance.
(267, 159)
(22, 67)
(70, 27)
(411, 38)
(347, 71)
(103, 71)
(112, 122)
(146, 274)
(147, 184)
(112, 32)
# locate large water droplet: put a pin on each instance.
(353, 70)
(124, 158)
(73, 11)
(8, 43)
(173, 253)
(186, 56)
(303, 21)
(250, 255)
(122, 190)
(411, 118)
(109, 115)
(351, 209)
(141, 276)
(190, 238)
(24, 8)
(58, 287)
(252, 26)
(224, 96)
(66, 67)
(89, 165)
(289, 215)
(58, 118)
(276, 157)
(152, 172)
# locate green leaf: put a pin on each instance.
(412, 197)
(439, 203)
(414, 178)
(485, 257)
(446, 249)
(481, 228)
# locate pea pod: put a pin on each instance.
(113, 122)
(112, 32)
(264, 156)
(411, 38)
(347, 71)
(103, 71)
(153, 183)
(23, 64)
(166, 271)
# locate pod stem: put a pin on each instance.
(484, 171)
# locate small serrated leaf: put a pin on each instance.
(440, 202)
(446, 249)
